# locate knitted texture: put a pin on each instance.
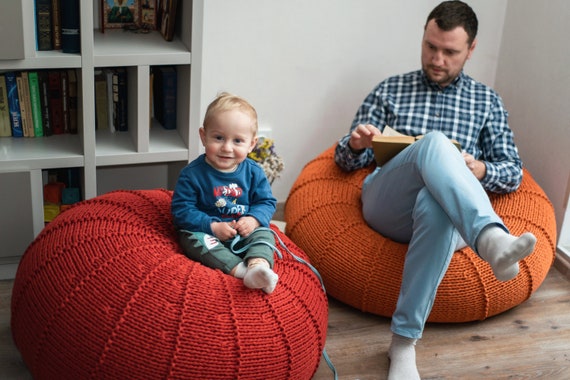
(104, 292)
(364, 269)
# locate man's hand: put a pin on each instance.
(223, 230)
(361, 136)
(246, 225)
(478, 168)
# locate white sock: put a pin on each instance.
(260, 276)
(239, 270)
(503, 251)
(402, 354)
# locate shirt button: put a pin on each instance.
(437, 114)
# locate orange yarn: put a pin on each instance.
(363, 269)
(105, 292)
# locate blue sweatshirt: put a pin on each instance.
(204, 195)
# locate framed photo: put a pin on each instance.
(148, 14)
(118, 14)
(167, 18)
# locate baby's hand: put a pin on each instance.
(246, 225)
(223, 230)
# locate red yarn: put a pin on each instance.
(105, 292)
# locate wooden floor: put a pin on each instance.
(531, 341)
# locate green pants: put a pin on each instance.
(211, 252)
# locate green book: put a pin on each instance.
(35, 102)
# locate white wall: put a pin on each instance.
(307, 65)
(533, 76)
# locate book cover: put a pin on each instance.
(44, 37)
(55, 102)
(35, 103)
(25, 105)
(44, 101)
(5, 129)
(165, 96)
(56, 23)
(14, 104)
(73, 101)
(121, 99)
(390, 143)
(101, 102)
(70, 39)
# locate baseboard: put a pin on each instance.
(562, 264)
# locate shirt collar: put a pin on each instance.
(457, 83)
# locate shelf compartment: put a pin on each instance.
(25, 153)
(122, 48)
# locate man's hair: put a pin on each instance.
(451, 14)
(227, 102)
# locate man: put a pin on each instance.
(430, 195)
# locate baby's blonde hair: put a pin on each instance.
(227, 102)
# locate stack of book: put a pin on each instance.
(38, 103)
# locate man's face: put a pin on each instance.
(444, 53)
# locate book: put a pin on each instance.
(56, 23)
(5, 129)
(73, 101)
(44, 38)
(165, 96)
(167, 17)
(35, 103)
(55, 102)
(70, 39)
(110, 101)
(14, 104)
(25, 105)
(101, 102)
(64, 100)
(391, 142)
(120, 99)
(44, 101)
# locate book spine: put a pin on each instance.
(44, 25)
(65, 100)
(72, 96)
(35, 103)
(101, 103)
(44, 102)
(5, 130)
(55, 102)
(56, 23)
(14, 105)
(122, 100)
(25, 105)
(110, 100)
(70, 40)
(165, 89)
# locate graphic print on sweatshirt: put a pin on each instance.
(226, 201)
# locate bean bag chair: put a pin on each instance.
(104, 292)
(363, 269)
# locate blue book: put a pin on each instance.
(14, 105)
(165, 96)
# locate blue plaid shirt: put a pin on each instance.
(466, 110)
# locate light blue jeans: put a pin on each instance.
(427, 197)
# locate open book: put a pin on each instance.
(391, 142)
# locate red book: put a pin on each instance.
(55, 102)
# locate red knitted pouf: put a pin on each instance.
(362, 268)
(104, 292)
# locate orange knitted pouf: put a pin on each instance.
(364, 269)
(104, 292)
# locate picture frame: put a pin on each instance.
(166, 16)
(119, 14)
(148, 13)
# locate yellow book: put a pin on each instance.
(390, 143)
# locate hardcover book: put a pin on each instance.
(44, 101)
(70, 39)
(165, 96)
(25, 106)
(101, 102)
(72, 100)
(44, 25)
(390, 143)
(14, 104)
(55, 102)
(56, 6)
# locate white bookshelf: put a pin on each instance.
(108, 161)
